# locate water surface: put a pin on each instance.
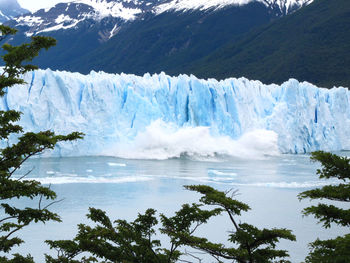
(125, 187)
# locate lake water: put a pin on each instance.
(125, 187)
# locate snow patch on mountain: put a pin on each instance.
(59, 17)
(69, 15)
(5, 17)
(10, 9)
(111, 15)
(29, 20)
(184, 5)
(114, 31)
(104, 8)
(63, 18)
(73, 23)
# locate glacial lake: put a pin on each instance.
(124, 187)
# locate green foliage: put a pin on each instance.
(250, 244)
(17, 259)
(333, 166)
(311, 44)
(330, 251)
(18, 150)
(6, 31)
(15, 56)
(135, 242)
(129, 241)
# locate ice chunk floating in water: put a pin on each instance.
(161, 117)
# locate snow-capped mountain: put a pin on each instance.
(62, 17)
(10, 9)
(69, 15)
(111, 13)
(285, 6)
(137, 36)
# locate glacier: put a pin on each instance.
(159, 116)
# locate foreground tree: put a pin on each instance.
(17, 147)
(128, 242)
(249, 244)
(333, 167)
(134, 241)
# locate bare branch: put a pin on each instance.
(232, 219)
(25, 159)
(191, 254)
(14, 231)
(7, 218)
(26, 174)
(52, 203)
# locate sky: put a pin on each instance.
(33, 5)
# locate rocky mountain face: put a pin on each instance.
(138, 36)
(311, 45)
(76, 13)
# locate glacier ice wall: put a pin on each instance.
(160, 116)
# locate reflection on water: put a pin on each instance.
(125, 187)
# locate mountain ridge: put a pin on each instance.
(213, 42)
(82, 30)
(9, 9)
(69, 15)
(317, 51)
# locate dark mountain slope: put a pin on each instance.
(78, 32)
(146, 35)
(168, 41)
(73, 44)
(312, 44)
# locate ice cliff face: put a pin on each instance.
(160, 116)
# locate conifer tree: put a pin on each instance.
(18, 146)
(333, 167)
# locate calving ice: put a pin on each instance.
(159, 116)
